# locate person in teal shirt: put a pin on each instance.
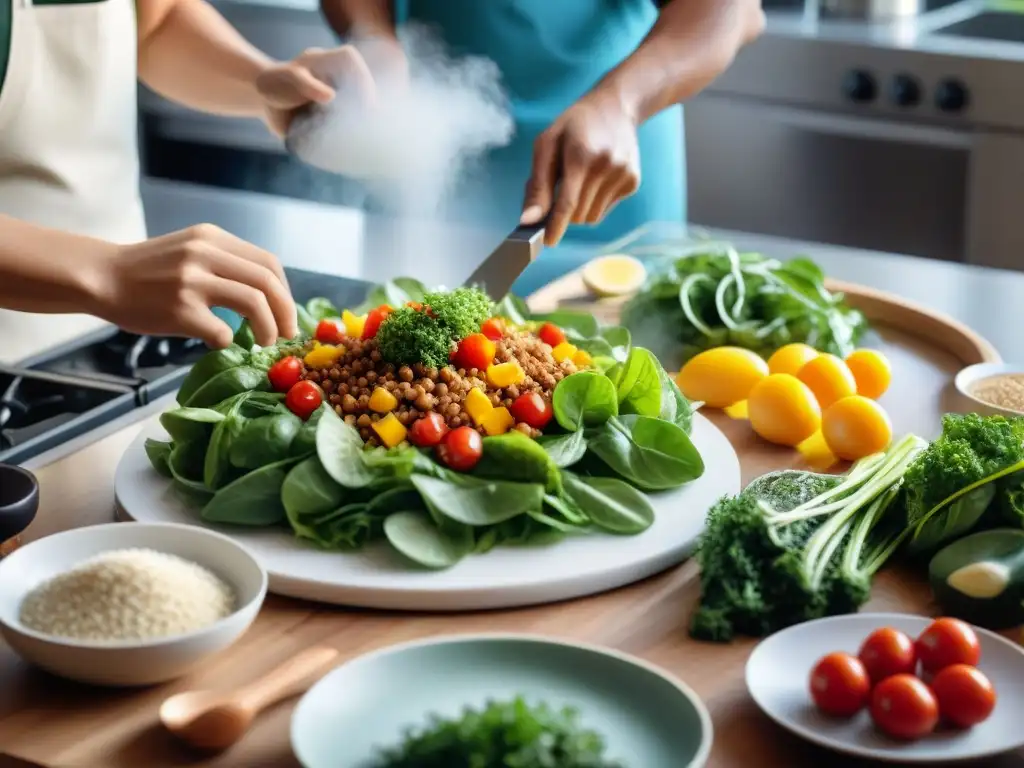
(595, 88)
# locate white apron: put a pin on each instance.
(68, 137)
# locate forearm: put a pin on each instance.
(359, 18)
(45, 270)
(190, 54)
(691, 44)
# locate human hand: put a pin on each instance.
(591, 153)
(289, 86)
(166, 286)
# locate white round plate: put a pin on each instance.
(379, 577)
(779, 669)
(646, 717)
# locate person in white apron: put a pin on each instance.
(72, 231)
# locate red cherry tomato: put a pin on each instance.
(839, 685)
(329, 331)
(303, 398)
(532, 409)
(947, 641)
(904, 707)
(461, 449)
(285, 373)
(475, 351)
(551, 334)
(888, 652)
(965, 695)
(428, 430)
(373, 320)
(493, 329)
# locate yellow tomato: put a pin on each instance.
(828, 378)
(855, 427)
(721, 376)
(791, 358)
(871, 371)
(782, 410)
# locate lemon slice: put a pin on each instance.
(614, 275)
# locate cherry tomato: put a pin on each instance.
(329, 331)
(285, 373)
(303, 398)
(461, 449)
(839, 685)
(965, 695)
(904, 707)
(475, 351)
(947, 641)
(532, 409)
(493, 329)
(551, 334)
(887, 652)
(428, 430)
(373, 320)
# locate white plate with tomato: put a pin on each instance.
(893, 687)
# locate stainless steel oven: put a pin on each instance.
(866, 136)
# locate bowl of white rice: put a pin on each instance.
(128, 604)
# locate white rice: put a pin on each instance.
(128, 594)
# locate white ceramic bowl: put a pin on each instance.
(130, 663)
(972, 374)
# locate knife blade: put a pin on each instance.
(499, 271)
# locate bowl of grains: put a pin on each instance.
(128, 604)
(992, 388)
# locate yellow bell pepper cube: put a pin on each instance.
(505, 374)
(498, 421)
(582, 358)
(382, 401)
(323, 356)
(390, 430)
(563, 351)
(477, 405)
(353, 324)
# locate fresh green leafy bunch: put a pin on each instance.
(970, 469)
(795, 546)
(510, 734)
(716, 296)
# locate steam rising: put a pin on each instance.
(419, 137)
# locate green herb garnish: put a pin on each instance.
(461, 311)
(427, 331)
(502, 735)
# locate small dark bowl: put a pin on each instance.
(19, 501)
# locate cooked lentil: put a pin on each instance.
(1004, 390)
(350, 381)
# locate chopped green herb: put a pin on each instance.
(502, 735)
(461, 311)
(410, 336)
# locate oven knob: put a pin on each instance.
(905, 91)
(951, 95)
(859, 86)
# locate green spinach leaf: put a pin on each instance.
(638, 385)
(209, 365)
(309, 493)
(565, 449)
(649, 453)
(478, 502)
(265, 440)
(254, 499)
(514, 456)
(415, 536)
(611, 504)
(244, 337)
(584, 399)
(159, 454)
(954, 521)
(190, 425)
(227, 383)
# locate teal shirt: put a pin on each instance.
(551, 52)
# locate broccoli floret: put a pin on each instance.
(461, 311)
(409, 336)
(970, 448)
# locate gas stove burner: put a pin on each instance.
(126, 353)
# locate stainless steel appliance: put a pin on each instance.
(905, 137)
(872, 9)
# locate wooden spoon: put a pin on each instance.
(215, 721)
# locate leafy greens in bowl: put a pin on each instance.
(242, 453)
(713, 296)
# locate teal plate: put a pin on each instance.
(648, 719)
